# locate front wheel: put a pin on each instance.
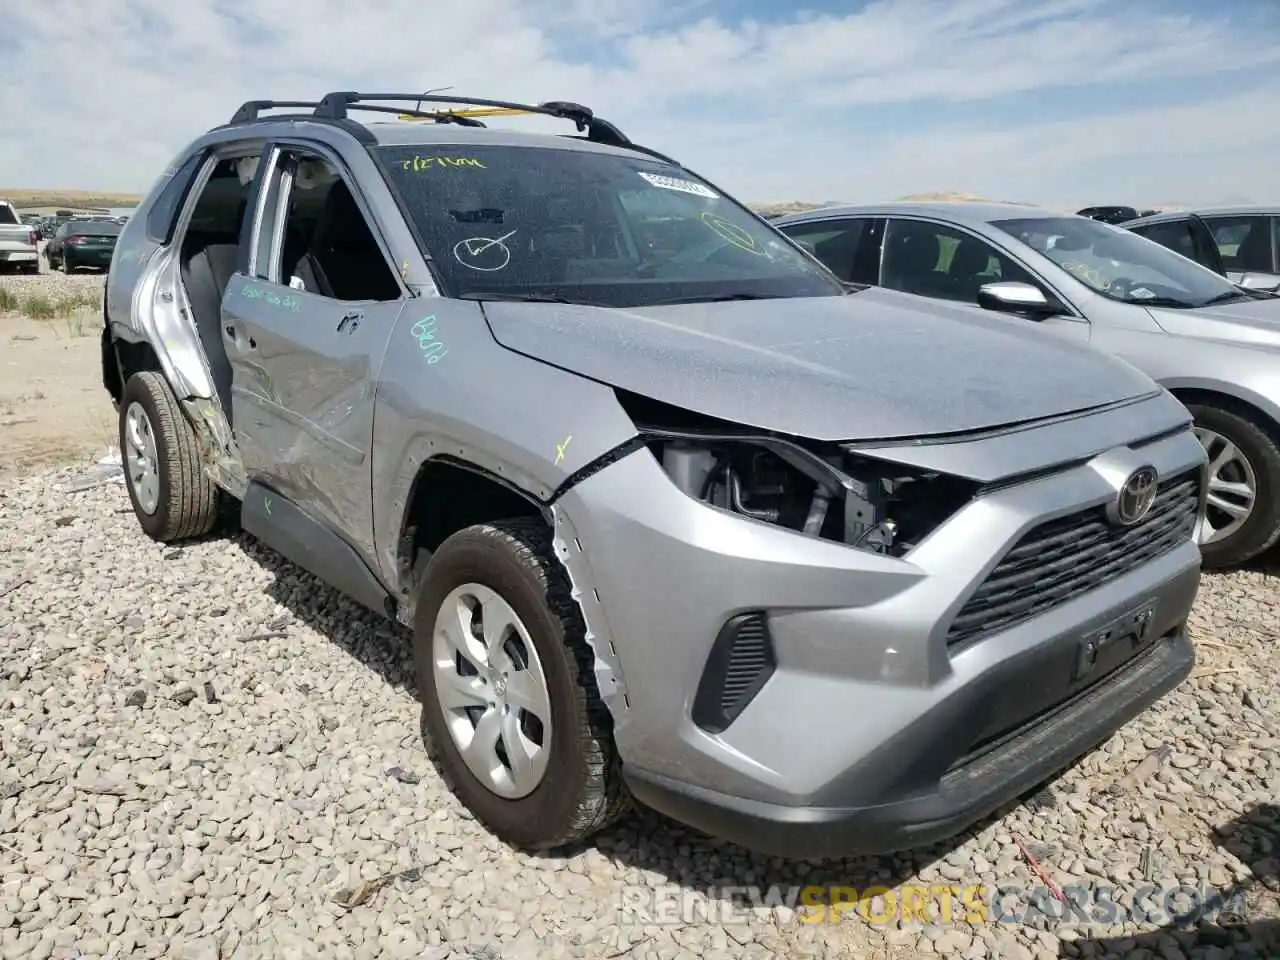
(172, 497)
(1242, 516)
(507, 683)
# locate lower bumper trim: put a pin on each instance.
(963, 796)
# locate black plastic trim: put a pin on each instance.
(710, 711)
(286, 528)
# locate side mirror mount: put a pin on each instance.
(1016, 297)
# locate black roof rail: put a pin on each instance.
(250, 109)
(334, 106)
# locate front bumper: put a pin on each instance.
(866, 706)
(965, 793)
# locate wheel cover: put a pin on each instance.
(1233, 487)
(140, 458)
(492, 690)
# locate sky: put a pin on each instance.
(1061, 102)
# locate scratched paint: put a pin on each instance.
(425, 333)
(420, 163)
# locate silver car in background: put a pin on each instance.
(1212, 344)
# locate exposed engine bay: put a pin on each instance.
(875, 506)
(818, 489)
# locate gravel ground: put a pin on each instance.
(203, 750)
(53, 283)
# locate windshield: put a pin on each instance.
(590, 227)
(1120, 264)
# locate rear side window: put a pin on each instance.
(163, 214)
(7, 215)
(835, 243)
(1176, 236)
(1244, 242)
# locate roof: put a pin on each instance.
(401, 133)
(429, 118)
(1251, 209)
(962, 211)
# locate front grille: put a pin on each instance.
(740, 662)
(1071, 555)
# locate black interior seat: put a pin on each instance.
(346, 253)
(208, 262)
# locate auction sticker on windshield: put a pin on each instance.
(683, 186)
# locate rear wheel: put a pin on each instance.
(1242, 516)
(507, 682)
(172, 497)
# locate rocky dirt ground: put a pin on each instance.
(52, 405)
(206, 753)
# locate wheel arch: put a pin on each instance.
(448, 494)
(432, 513)
(122, 357)
(1232, 398)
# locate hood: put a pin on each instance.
(1252, 322)
(872, 365)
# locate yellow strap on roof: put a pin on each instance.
(469, 112)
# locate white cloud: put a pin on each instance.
(100, 95)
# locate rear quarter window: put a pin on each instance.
(163, 214)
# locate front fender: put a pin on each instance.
(448, 389)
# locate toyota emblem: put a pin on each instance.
(1136, 496)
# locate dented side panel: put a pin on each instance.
(447, 389)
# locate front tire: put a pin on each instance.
(497, 640)
(172, 497)
(1243, 513)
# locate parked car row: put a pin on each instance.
(659, 493)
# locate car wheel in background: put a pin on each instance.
(507, 682)
(172, 497)
(1242, 517)
(64, 263)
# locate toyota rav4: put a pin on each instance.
(674, 514)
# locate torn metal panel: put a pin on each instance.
(608, 671)
(221, 454)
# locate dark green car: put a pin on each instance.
(82, 243)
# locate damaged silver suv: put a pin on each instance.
(674, 515)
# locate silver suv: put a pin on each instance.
(674, 515)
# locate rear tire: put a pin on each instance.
(172, 497)
(1256, 463)
(578, 787)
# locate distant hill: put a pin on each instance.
(75, 199)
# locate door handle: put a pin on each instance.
(350, 321)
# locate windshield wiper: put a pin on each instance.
(1230, 296)
(525, 297)
(1161, 302)
(721, 298)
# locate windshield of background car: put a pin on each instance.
(1118, 263)
(590, 227)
